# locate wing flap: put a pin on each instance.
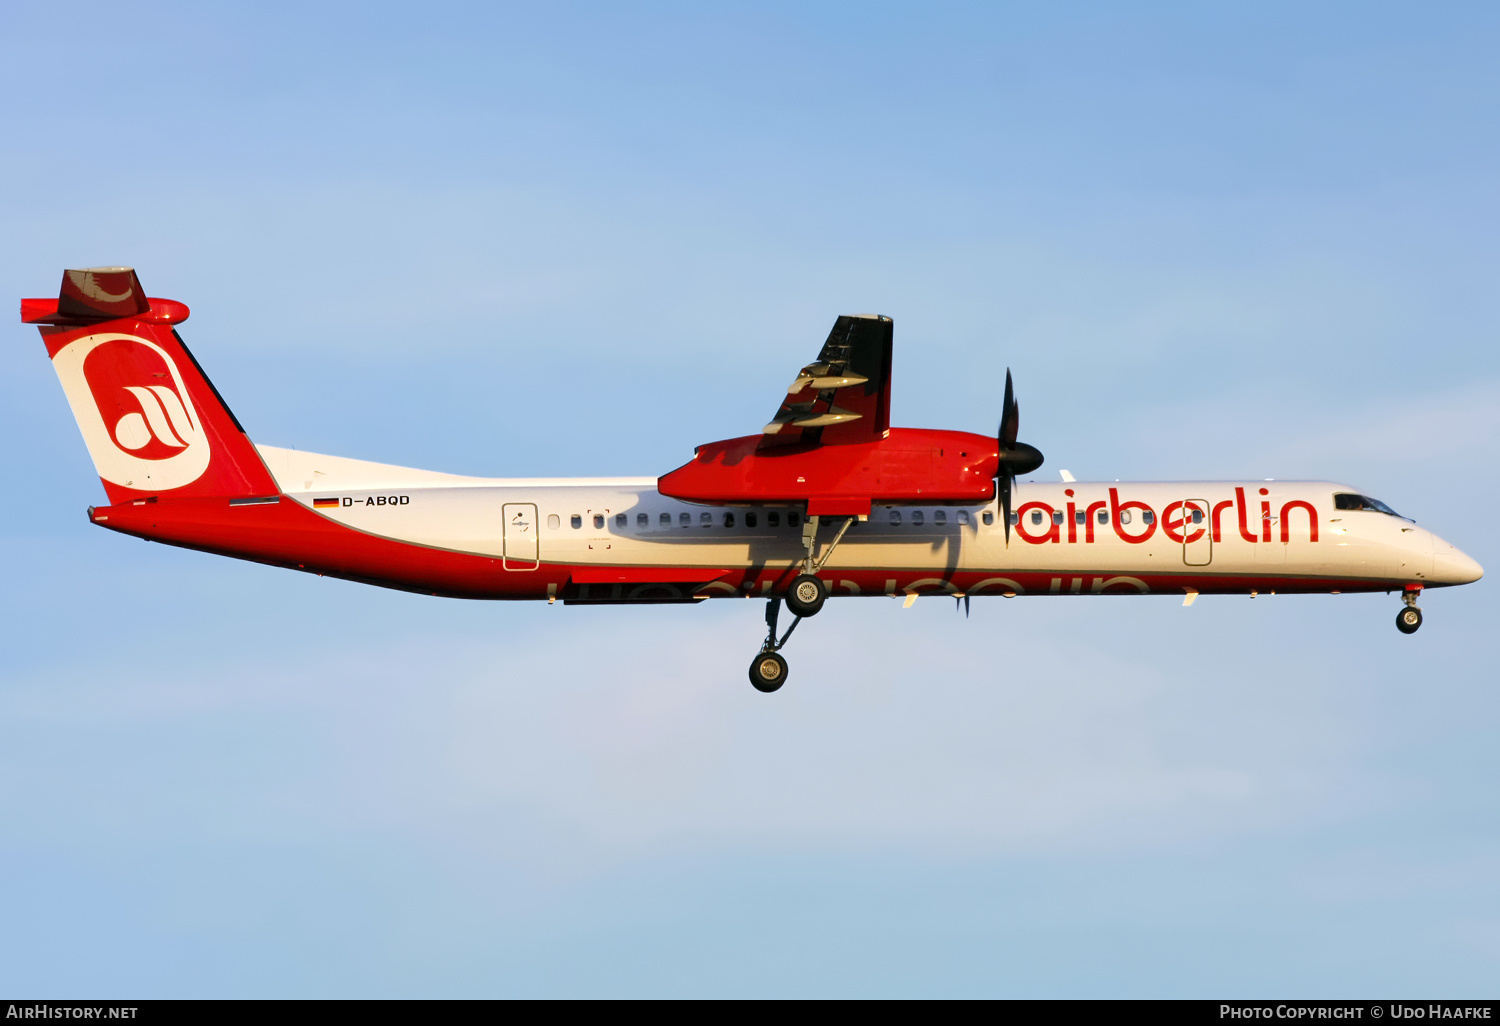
(843, 397)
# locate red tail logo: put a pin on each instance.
(135, 411)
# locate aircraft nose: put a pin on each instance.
(1450, 566)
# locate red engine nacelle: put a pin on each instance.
(908, 465)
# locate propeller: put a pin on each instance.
(1015, 457)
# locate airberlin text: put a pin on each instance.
(1184, 522)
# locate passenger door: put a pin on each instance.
(1197, 539)
(520, 550)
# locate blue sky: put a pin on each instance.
(580, 239)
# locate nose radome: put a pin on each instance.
(1451, 566)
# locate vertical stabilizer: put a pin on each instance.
(152, 421)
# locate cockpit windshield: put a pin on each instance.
(1350, 501)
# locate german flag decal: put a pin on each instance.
(325, 503)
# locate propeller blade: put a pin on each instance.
(1010, 415)
(1015, 457)
(1003, 485)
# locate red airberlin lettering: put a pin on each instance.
(1051, 534)
(1176, 519)
(1177, 523)
(1116, 507)
(1312, 519)
(1240, 507)
(1219, 507)
(1088, 520)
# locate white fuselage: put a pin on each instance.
(1066, 538)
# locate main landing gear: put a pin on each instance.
(804, 598)
(806, 595)
(768, 670)
(1410, 618)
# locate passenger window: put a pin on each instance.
(895, 518)
(728, 519)
(793, 519)
(1015, 518)
(598, 521)
(989, 519)
(554, 521)
(705, 520)
(666, 520)
(1080, 517)
(939, 517)
(621, 519)
(916, 518)
(750, 519)
(685, 519)
(1197, 516)
(1124, 516)
(1036, 516)
(1103, 517)
(576, 521)
(1148, 517)
(773, 519)
(963, 516)
(642, 521)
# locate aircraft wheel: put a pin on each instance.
(1408, 620)
(806, 595)
(768, 672)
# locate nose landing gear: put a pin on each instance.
(1410, 618)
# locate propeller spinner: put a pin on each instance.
(1015, 457)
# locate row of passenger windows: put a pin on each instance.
(1081, 517)
(939, 517)
(917, 519)
(643, 520)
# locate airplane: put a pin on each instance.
(827, 499)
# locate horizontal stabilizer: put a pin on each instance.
(92, 295)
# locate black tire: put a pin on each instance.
(768, 672)
(806, 595)
(1408, 620)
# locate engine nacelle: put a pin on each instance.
(907, 466)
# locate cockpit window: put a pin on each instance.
(1350, 501)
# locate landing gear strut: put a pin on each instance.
(1410, 618)
(768, 671)
(804, 598)
(807, 593)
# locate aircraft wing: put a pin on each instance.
(842, 397)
